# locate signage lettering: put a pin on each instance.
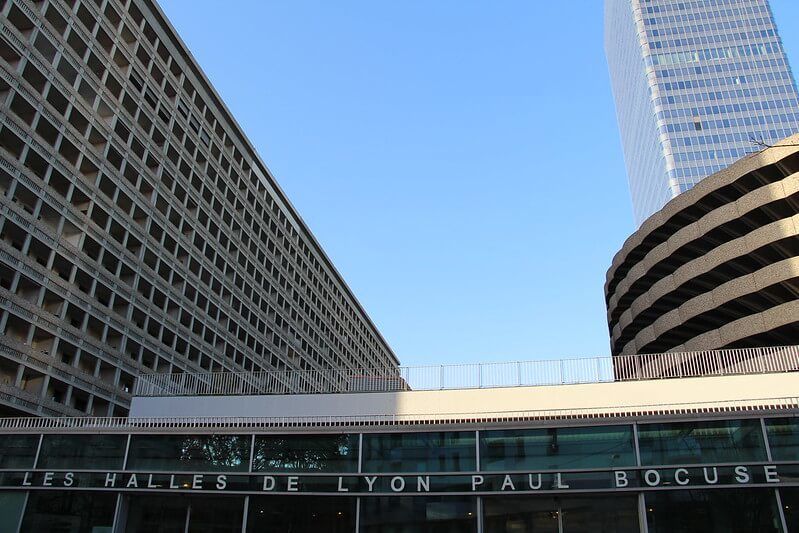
(633, 478)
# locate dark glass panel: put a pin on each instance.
(790, 506)
(18, 451)
(520, 514)
(420, 514)
(716, 441)
(306, 453)
(712, 511)
(157, 514)
(11, 504)
(557, 448)
(78, 452)
(314, 514)
(69, 512)
(783, 438)
(442, 451)
(600, 514)
(222, 453)
(216, 515)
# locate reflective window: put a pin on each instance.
(18, 451)
(83, 451)
(229, 453)
(529, 514)
(783, 438)
(712, 511)
(717, 441)
(75, 512)
(157, 514)
(216, 514)
(421, 514)
(276, 514)
(790, 506)
(557, 448)
(439, 451)
(616, 513)
(306, 453)
(583, 514)
(11, 504)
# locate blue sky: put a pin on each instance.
(459, 161)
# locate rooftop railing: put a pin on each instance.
(223, 424)
(475, 375)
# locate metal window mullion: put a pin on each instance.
(38, 451)
(245, 515)
(477, 449)
(22, 512)
(781, 510)
(765, 439)
(252, 452)
(357, 515)
(637, 447)
(360, 452)
(479, 503)
(643, 523)
(127, 451)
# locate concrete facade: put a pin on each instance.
(139, 229)
(717, 267)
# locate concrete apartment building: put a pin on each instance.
(717, 267)
(139, 229)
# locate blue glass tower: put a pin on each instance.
(698, 84)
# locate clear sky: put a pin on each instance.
(459, 161)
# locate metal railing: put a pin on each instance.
(475, 375)
(216, 424)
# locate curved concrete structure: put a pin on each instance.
(717, 267)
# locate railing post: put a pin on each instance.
(519, 372)
(441, 378)
(479, 375)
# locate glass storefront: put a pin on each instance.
(73, 512)
(422, 514)
(589, 514)
(557, 448)
(283, 514)
(306, 453)
(702, 511)
(730, 476)
(182, 514)
(715, 441)
(441, 451)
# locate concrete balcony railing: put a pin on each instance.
(476, 375)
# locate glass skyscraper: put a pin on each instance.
(698, 84)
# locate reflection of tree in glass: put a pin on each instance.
(215, 450)
(300, 452)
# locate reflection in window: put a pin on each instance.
(306, 453)
(783, 438)
(583, 514)
(420, 514)
(717, 441)
(82, 451)
(440, 451)
(712, 511)
(520, 515)
(18, 451)
(557, 448)
(223, 453)
(301, 515)
(600, 514)
(790, 506)
(157, 514)
(75, 512)
(11, 504)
